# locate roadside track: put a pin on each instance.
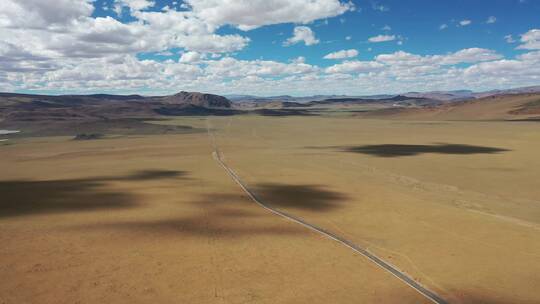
(430, 295)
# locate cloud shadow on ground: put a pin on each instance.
(235, 215)
(399, 150)
(308, 197)
(23, 197)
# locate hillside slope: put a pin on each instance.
(25, 107)
(198, 99)
(504, 107)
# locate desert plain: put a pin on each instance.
(154, 218)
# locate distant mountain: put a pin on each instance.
(467, 94)
(198, 99)
(442, 95)
(28, 107)
(115, 97)
(522, 90)
(516, 106)
(450, 96)
(391, 101)
(282, 98)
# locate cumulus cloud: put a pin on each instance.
(491, 20)
(190, 57)
(42, 14)
(509, 39)
(231, 67)
(464, 22)
(250, 14)
(60, 45)
(394, 72)
(470, 55)
(302, 34)
(66, 28)
(355, 67)
(530, 40)
(133, 5)
(300, 59)
(342, 54)
(382, 38)
(84, 36)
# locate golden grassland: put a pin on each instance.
(143, 219)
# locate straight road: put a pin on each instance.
(430, 295)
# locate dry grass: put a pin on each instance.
(454, 204)
(155, 219)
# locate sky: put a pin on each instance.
(267, 47)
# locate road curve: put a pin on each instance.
(430, 295)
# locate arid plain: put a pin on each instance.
(135, 219)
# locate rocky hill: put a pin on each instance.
(48, 115)
(198, 99)
(500, 107)
(27, 107)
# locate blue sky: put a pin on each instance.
(268, 47)
(416, 21)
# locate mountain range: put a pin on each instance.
(27, 108)
(433, 95)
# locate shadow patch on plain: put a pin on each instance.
(216, 215)
(307, 197)
(399, 150)
(23, 197)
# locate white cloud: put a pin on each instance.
(491, 20)
(84, 36)
(302, 34)
(509, 39)
(190, 57)
(234, 68)
(530, 40)
(443, 26)
(464, 22)
(300, 59)
(387, 73)
(355, 67)
(78, 34)
(503, 69)
(470, 55)
(42, 14)
(382, 38)
(250, 14)
(59, 46)
(133, 5)
(342, 54)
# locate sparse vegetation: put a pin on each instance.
(415, 192)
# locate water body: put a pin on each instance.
(5, 132)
